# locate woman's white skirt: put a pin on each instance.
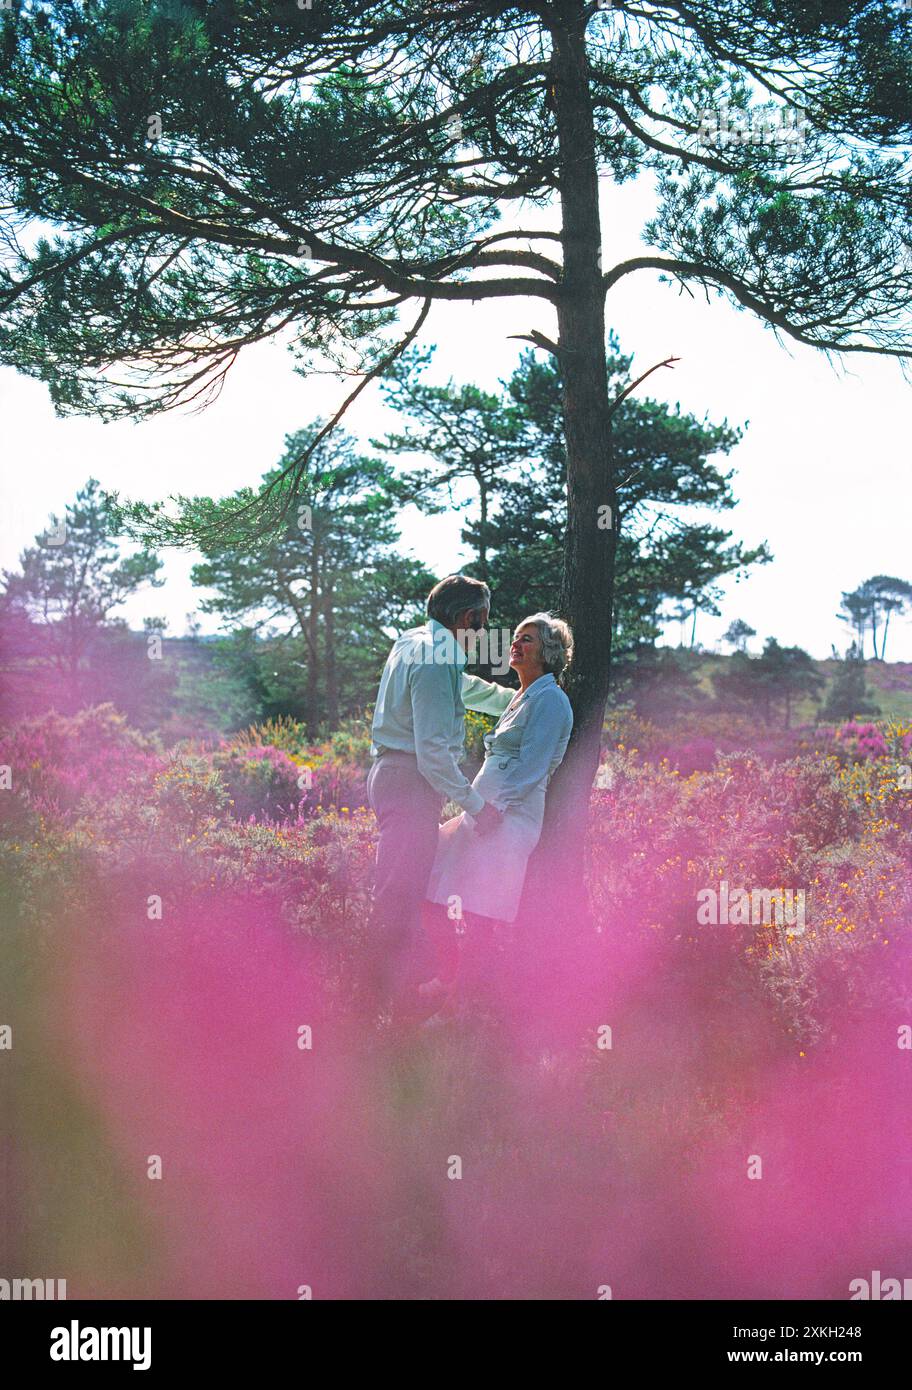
(485, 873)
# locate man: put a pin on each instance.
(417, 742)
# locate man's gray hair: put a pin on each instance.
(454, 595)
(556, 639)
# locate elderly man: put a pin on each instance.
(417, 742)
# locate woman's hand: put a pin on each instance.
(488, 819)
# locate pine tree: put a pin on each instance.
(849, 696)
(73, 579)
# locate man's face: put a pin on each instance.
(472, 620)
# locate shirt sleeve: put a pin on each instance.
(485, 697)
(433, 691)
(544, 740)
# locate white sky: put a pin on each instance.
(822, 473)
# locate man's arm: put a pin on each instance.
(432, 690)
(485, 697)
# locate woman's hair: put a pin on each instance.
(454, 595)
(556, 640)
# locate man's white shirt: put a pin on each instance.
(421, 704)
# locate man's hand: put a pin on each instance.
(488, 819)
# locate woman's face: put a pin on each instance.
(526, 651)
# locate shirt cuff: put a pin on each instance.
(473, 802)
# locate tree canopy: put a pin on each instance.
(325, 588)
(872, 603)
(75, 576)
(667, 464)
(219, 172)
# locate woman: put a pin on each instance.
(483, 874)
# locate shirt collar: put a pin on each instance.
(538, 685)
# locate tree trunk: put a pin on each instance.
(482, 525)
(590, 546)
(72, 656)
(332, 671)
(313, 668)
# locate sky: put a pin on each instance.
(822, 473)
